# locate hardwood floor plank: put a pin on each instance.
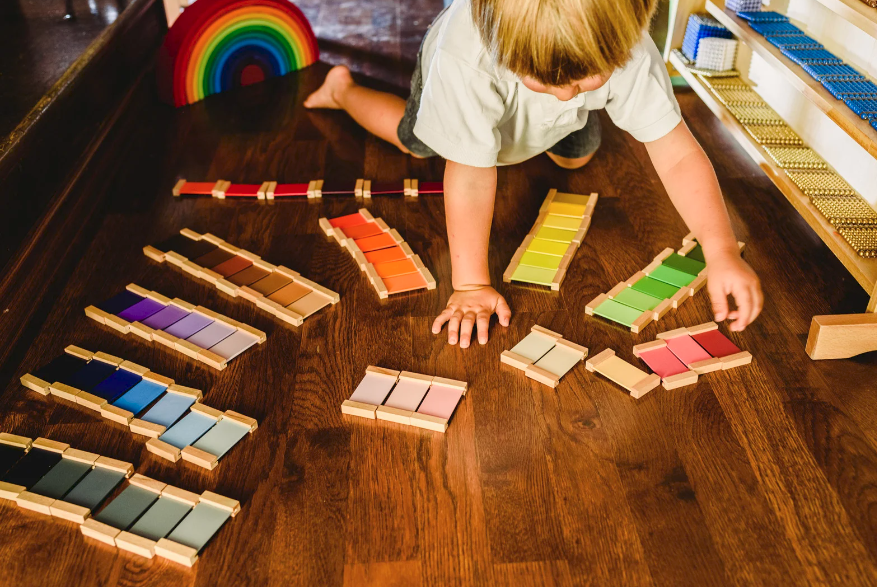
(843, 450)
(677, 545)
(539, 573)
(744, 528)
(600, 540)
(383, 486)
(818, 527)
(391, 574)
(451, 517)
(519, 501)
(312, 497)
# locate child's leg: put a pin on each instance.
(568, 163)
(377, 112)
(577, 148)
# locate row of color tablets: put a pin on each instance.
(406, 398)
(544, 256)
(278, 290)
(670, 279)
(51, 478)
(147, 517)
(544, 356)
(679, 356)
(149, 404)
(317, 188)
(193, 330)
(391, 265)
(202, 436)
(150, 518)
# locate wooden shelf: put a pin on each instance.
(855, 12)
(861, 132)
(863, 270)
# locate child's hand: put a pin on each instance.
(730, 275)
(469, 308)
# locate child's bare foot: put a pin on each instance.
(337, 79)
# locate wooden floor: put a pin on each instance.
(762, 475)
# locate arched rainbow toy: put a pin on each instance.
(217, 45)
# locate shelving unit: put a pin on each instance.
(855, 12)
(863, 270)
(830, 337)
(860, 131)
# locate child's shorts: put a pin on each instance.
(580, 143)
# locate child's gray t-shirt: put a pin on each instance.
(475, 113)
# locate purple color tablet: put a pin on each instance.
(142, 310)
(189, 325)
(166, 317)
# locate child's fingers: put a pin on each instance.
(743, 299)
(482, 320)
(719, 300)
(454, 326)
(466, 326)
(503, 312)
(757, 302)
(441, 319)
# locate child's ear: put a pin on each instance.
(533, 85)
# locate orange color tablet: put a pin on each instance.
(394, 268)
(402, 283)
(373, 243)
(362, 230)
(349, 220)
(385, 255)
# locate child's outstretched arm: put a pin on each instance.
(469, 196)
(691, 183)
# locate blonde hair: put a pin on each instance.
(559, 41)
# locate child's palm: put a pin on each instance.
(472, 309)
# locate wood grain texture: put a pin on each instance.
(761, 475)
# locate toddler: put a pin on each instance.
(500, 81)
